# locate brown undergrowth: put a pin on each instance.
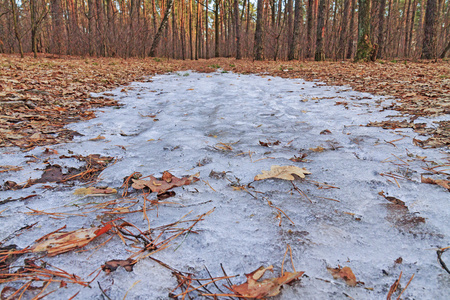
(39, 96)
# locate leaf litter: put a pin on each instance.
(143, 234)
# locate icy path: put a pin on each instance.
(177, 122)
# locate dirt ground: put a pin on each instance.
(39, 96)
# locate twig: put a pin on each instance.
(439, 256)
(398, 298)
(103, 292)
(394, 287)
(271, 205)
(300, 191)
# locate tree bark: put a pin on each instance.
(320, 54)
(216, 29)
(365, 47)
(344, 32)
(16, 28)
(352, 29)
(309, 28)
(429, 39)
(237, 28)
(259, 31)
(444, 52)
(160, 29)
(293, 47)
(381, 33)
(57, 27)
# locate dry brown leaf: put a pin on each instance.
(61, 242)
(283, 172)
(441, 182)
(345, 273)
(166, 183)
(267, 288)
(112, 265)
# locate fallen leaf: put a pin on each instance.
(160, 186)
(393, 199)
(112, 265)
(326, 131)
(318, 149)
(94, 191)
(441, 182)
(98, 138)
(61, 242)
(283, 172)
(267, 288)
(345, 273)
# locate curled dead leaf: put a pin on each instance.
(267, 288)
(61, 242)
(167, 182)
(344, 273)
(441, 182)
(112, 265)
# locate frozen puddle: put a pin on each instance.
(213, 124)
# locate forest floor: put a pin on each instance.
(122, 154)
(39, 96)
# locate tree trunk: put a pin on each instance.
(160, 29)
(381, 33)
(216, 29)
(237, 27)
(259, 31)
(16, 29)
(91, 33)
(191, 45)
(57, 27)
(183, 50)
(444, 53)
(293, 47)
(206, 31)
(352, 29)
(320, 55)
(309, 29)
(344, 32)
(429, 39)
(365, 47)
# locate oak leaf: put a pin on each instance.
(345, 273)
(267, 288)
(283, 172)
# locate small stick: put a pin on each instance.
(103, 292)
(439, 255)
(271, 205)
(207, 183)
(398, 298)
(300, 192)
(394, 287)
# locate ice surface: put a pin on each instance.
(176, 122)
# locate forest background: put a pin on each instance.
(259, 29)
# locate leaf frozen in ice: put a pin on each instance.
(283, 172)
